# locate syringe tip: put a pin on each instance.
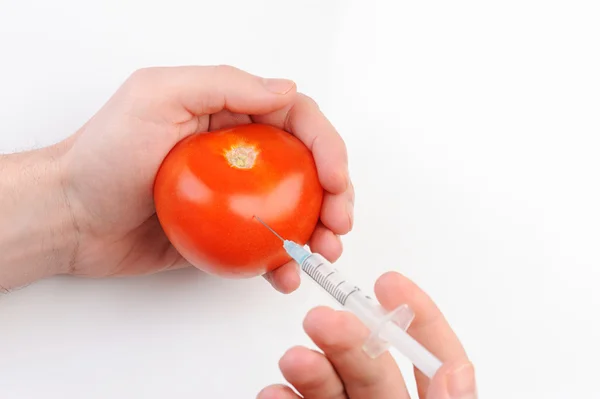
(296, 251)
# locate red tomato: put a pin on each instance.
(211, 185)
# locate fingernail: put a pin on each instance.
(278, 86)
(339, 238)
(461, 383)
(350, 211)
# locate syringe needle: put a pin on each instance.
(267, 226)
(296, 251)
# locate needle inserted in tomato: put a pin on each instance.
(267, 226)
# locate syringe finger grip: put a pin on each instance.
(402, 316)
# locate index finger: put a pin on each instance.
(429, 327)
(304, 119)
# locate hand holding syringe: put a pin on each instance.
(387, 328)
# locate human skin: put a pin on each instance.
(84, 206)
(342, 370)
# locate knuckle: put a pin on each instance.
(142, 74)
(225, 70)
(140, 79)
(308, 101)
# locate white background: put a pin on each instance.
(472, 129)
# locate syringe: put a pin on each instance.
(387, 328)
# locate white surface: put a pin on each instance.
(486, 194)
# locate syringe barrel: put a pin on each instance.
(328, 277)
(347, 294)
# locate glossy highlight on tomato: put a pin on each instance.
(211, 185)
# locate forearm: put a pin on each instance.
(37, 233)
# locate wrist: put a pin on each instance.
(38, 234)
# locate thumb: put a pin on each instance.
(455, 380)
(203, 90)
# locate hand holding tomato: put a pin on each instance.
(110, 164)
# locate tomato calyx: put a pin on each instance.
(242, 156)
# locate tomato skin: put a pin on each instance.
(211, 185)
